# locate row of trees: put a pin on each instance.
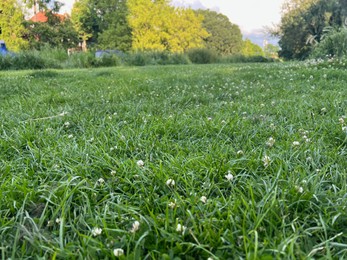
(126, 25)
(305, 23)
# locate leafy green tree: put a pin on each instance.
(11, 25)
(303, 24)
(271, 51)
(225, 38)
(55, 32)
(113, 26)
(84, 20)
(251, 49)
(108, 20)
(158, 26)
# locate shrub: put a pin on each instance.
(202, 56)
(333, 44)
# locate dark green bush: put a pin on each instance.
(333, 44)
(202, 56)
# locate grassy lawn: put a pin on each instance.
(174, 162)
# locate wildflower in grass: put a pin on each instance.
(101, 181)
(209, 118)
(323, 110)
(170, 183)
(135, 227)
(341, 120)
(66, 124)
(96, 231)
(306, 139)
(90, 140)
(172, 205)
(180, 228)
(140, 163)
(57, 220)
(70, 136)
(229, 176)
(203, 199)
(270, 142)
(266, 161)
(113, 172)
(239, 152)
(118, 252)
(113, 148)
(296, 143)
(344, 129)
(299, 189)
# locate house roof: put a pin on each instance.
(41, 17)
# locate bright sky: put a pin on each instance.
(250, 15)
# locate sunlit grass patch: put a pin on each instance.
(193, 162)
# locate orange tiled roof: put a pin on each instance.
(42, 18)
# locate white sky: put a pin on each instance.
(250, 15)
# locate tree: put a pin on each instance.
(114, 29)
(251, 49)
(158, 26)
(11, 25)
(303, 23)
(225, 38)
(83, 20)
(56, 32)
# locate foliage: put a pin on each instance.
(333, 44)
(11, 28)
(271, 51)
(251, 49)
(259, 162)
(158, 26)
(83, 20)
(224, 37)
(54, 33)
(202, 56)
(114, 31)
(303, 23)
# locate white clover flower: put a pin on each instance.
(113, 172)
(341, 120)
(170, 183)
(140, 163)
(135, 227)
(266, 160)
(209, 118)
(296, 143)
(300, 189)
(239, 152)
(96, 231)
(118, 252)
(203, 199)
(181, 228)
(101, 181)
(229, 176)
(323, 110)
(70, 136)
(66, 124)
(172, 204)
(270, 142)
(344, 129)
(58, 220)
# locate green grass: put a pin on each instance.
(70, 141)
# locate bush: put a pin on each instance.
(202, 56)
(242, 59)
(333, 44)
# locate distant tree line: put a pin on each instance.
(125, 25)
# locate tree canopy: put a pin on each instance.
(11, 25)
(225, 38)
(303, 23)
(158, 26)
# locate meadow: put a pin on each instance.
(241, 161)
